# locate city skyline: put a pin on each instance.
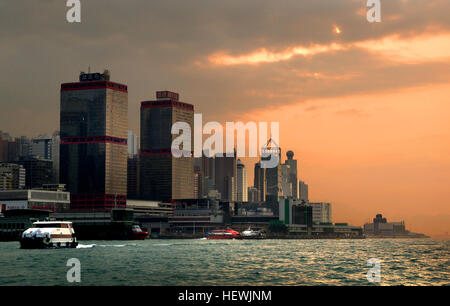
(366, 113)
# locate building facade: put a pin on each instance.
(93, 152)
(259, 182)
(12, 176)
(163, 176)
(292, 177)
(303, 192)
(242, 190)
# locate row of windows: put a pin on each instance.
(15, 226)
(88, 85)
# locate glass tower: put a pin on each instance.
(93, 152)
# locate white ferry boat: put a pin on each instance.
(253, 233)
(49, 234)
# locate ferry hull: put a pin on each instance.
(223, 237)
(39, 243)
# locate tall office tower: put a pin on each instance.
(56, 142)
(225, 177)
(163, 176)
(38, 171)
(41, 147)
(12, 176)
(23, 147)
(274, 190)
(132, 144)
(292, 173)
(303, 191)
(259, 182)
(286, 185)
(242, 190)
(133, 180)
(93, 151)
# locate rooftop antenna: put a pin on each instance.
(89, 69)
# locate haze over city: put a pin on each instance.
(364, 106)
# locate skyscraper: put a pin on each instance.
(225, 176)
(259, 181)
(41, 147)
(93, 155)
(241, 173)
(163, 176)
(132, 144)
(303, 191)
(274, 188)
(292, 177)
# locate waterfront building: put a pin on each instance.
(93, 152)
(380, 226)
(321, 212)
(303, 192)
(298, 217)
(163, 176)
(242, 191)
(12, 176)
(38, 171)
(55, 201)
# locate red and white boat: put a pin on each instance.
(138, 233)
(223, 234)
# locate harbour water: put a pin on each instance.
(233, 262)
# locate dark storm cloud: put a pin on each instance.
(165, 44)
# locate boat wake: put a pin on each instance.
(89, 246)
(85, 246)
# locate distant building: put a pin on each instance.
(292, 173)
(321, 212)
(56, 142)
(93, 155)
(242, 192)
(23, 147)
(225, 177)
(274, 189)
(38, 171)
(259, 182)
(286, 184)
(133, 177)
(299, 219)
(12, 176)
(253, 195)
(132, 144)
(41, 147)
(381, 227)
(198, 180)
(56, 201)
(303, 191)
(8, 148)
(163, 176)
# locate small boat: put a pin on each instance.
(223, 234)
(138, 233)
(49, 234)
(253, 233)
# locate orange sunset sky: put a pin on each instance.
(364, 106)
